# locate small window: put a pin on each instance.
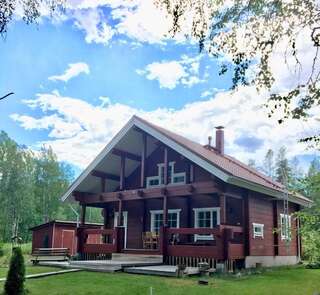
(258, 230)
(285, 226)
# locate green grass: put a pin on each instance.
(293, 281)
(29, 270)
(5, 259)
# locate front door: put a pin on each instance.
(68, 240)
(125, 224)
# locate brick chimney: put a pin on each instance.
(220, 139)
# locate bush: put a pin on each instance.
(16, 276)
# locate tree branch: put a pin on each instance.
(3, 97)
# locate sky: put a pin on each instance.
(79, 78)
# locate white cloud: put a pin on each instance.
(171, 73)
(94, 23)
(79, 130)
(72, 71)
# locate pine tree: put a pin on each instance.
(283, 170)
(16, 276)
(268, 164)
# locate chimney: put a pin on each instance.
(220, 139)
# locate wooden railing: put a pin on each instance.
(109, 240)
(221, 242)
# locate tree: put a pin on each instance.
(31, 10)
(16, 276)
(283, 169)
(51, 180)
(268, 163)
(248, 35)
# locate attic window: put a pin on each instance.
(258, 230)
(173, 178)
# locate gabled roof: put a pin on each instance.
(225, 167)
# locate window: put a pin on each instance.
(157, 219)
(285, 226)
(258, 230)
(173, 178)
(206, 218)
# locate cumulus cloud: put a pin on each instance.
(79, 130)
(94, 24)
(73, 70)
(171, 73)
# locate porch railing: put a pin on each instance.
(105, 241)
(222, 242)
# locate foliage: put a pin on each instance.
(16, 276)
(249, 35)
(29, 10)
(31, 184)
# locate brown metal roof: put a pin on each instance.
(224, 162)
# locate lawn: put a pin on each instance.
(30, 270)
(281, 281)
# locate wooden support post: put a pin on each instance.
(143, 160)
(165, 211)
(83, 215)
(120, 213)
(122, 172)
(191, 173)
(103, 185)
(223, 215)
(245, 222)
(275, 226)
(165, 161)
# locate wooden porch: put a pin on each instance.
(177, 245)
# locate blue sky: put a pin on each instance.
(120, 64)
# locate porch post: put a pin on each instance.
(223, 217)
(165, 160)
(120, 212)
(143, 160)
(80, 233)
(122, 172)
(165, 211)
(83, 215)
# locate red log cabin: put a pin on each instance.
(162, 193)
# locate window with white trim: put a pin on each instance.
(285, 226)
(206, 218)
(157, 219)
(258, 230)
(173, 178)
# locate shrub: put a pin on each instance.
(16, 276)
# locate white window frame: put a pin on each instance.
(258, 234)
(173, 175)
(285, 235)
(154, 212)
(196, 222)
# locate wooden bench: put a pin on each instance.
(50, 254)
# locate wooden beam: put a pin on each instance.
(122, 172)
(105, 175)
(126, 154)
(207, 187)
(165, 161)
(143, 160)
